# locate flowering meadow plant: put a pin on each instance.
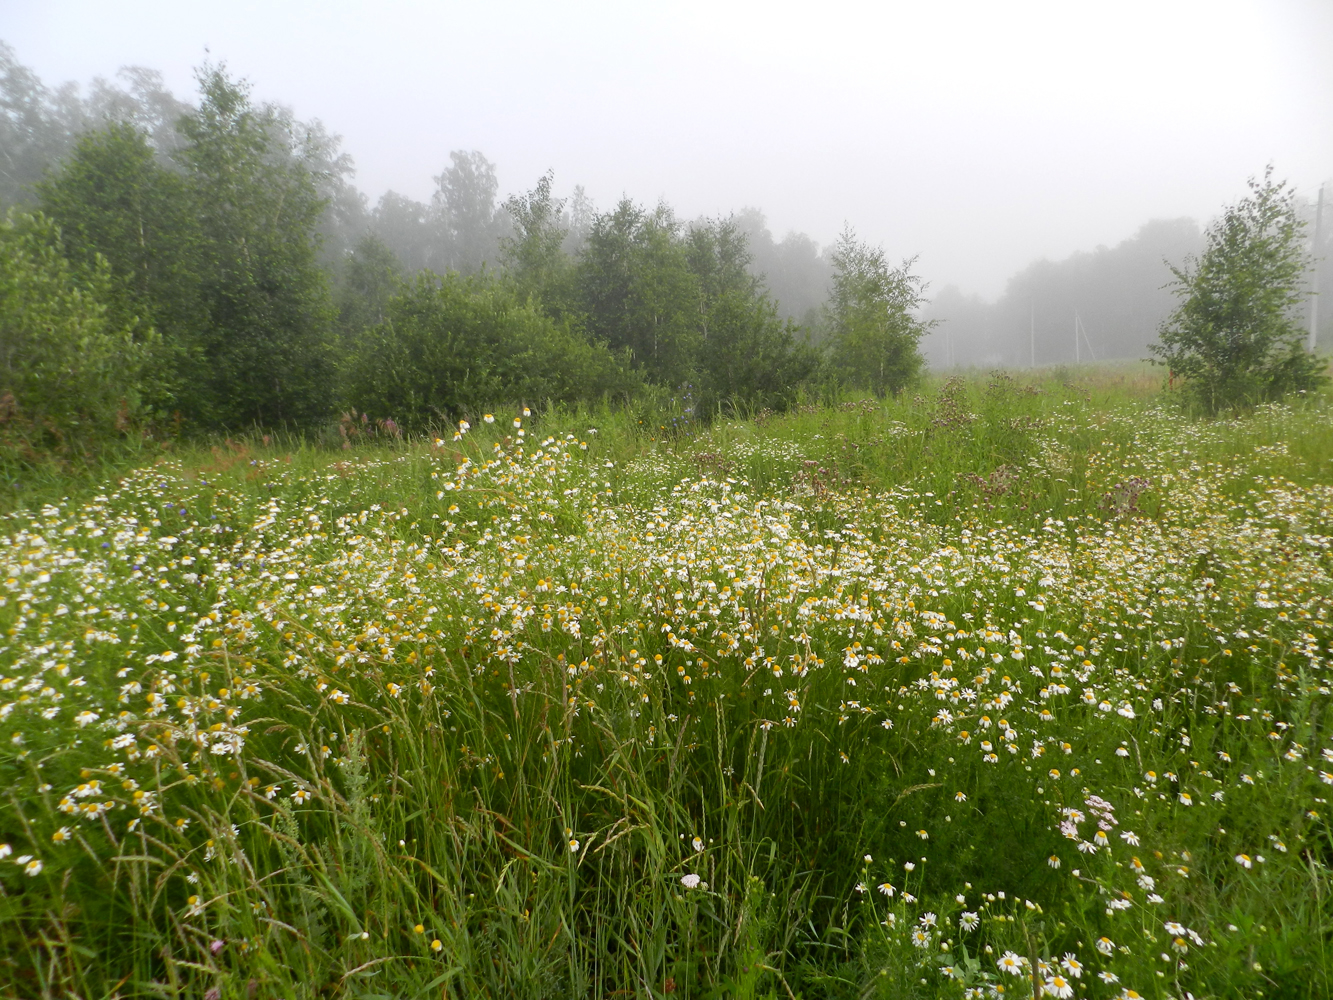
(532, 711)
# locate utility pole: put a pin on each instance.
(1080, 328)
(1078, 350)
(1032, 333)
(1314, 298)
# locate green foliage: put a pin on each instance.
(1236, 337)
(684, 303)
(70, 370)
(873, 332)
(533, 256)
(749, 359)
(113, 200)
(450, 346)
(264, 356)
(371, 276)
(637, 291)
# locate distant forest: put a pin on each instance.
(226, 244)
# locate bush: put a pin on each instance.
(452, 345)
(1235, 338)
(70, 378)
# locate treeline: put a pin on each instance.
(1115, 298)
(168, 280)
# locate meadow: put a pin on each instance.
(1013, 686)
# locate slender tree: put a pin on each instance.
(637, 290)
(1236, 337)
(265, 355)
(113, 199)
(874, 334)
(533, 255)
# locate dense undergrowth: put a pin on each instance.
(1003, 689)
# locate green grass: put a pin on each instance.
(787, 706)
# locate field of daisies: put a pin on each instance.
(1001, 690)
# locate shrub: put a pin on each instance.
(69, 377)
(452, 345)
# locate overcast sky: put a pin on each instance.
(979, 135)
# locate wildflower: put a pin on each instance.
(302, 796)
(419, 929)
(969, 921)
(887, 889)
(33, 867)
(1072, 965)
(437, 944)
(1105, 945)
(1244, 860)
(921, 938)
(1011, 963)
(1058, 986)
(928, 919)
(573, 847)
(1053, 861)
(1108, 977)
(489, 418)
(697, 844)
(690, 881)
(62, 836)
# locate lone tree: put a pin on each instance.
(870, 315)
(1235, 338)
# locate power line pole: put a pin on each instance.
(1078, 350)
(1079, 327)
(1314, 298)
(1032, 333)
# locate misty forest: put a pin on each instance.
(508, 595)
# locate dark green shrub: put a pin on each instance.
(452, 345)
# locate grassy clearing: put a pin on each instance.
(914, 698)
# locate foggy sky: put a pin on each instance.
(980, 135)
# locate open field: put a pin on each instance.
(899, 698)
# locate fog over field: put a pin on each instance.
(1039, 160)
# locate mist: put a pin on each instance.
(1041, 166)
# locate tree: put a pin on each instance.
(637, 291)
(371, 275)
(747, 356)
(69, 373)
(1236, 337)
(874, 335)
(112, 199)
(265, 353)
(405, 227)
(464, 209)
(534, 255)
